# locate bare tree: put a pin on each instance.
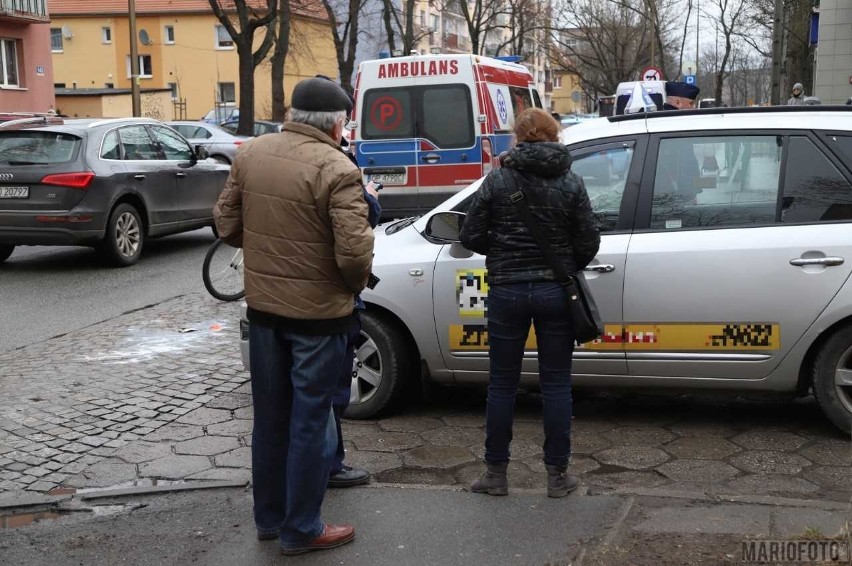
(600, 42)
(249, 18)
(278, 59)
(399, 23)
(482, 18)
(344, 17)
(799, 54)
(732, 17)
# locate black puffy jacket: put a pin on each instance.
(558, 201)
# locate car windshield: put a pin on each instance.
(24, 147)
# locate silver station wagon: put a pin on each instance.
(724, 265)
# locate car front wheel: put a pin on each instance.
(125, 236)
(380, 369)
(5, 251)
(833, 379)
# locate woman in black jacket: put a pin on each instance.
(523, 289)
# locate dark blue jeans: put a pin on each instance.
(511, 309)
(340, 402)
(292, 382)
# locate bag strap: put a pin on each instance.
(518, 199)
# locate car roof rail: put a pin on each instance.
(106, 121)
(731, 110)
(31, 121)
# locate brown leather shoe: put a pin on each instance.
(332, 536)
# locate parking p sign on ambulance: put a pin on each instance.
(652, 74)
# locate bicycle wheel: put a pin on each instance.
(223, 272)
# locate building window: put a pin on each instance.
(109, 85)
(58, 85)
(223, 38)
(9, 61)
(227, 92)
(170, 35)
(106, 35)
(557, 81)
(146, 70)
(174, 88)
(56, 39)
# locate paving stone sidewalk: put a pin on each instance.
(137, 401)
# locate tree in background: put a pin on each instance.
(344, 17)
(399, 25)
(732, 17)
(249, 18)
(279, 57)
(799, 54)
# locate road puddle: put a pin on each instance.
(22, 519)
(144, 344)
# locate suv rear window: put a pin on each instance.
(442, 114)
(26, 147)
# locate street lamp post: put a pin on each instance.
(134, 61)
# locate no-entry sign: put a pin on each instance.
(652, 74)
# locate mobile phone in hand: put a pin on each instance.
(377, 186)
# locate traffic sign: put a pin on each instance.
(689, 79)
(652, 74)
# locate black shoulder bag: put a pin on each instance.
(584, 311)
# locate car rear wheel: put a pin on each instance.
(833, 379)
(380, 369)
(125, 236)
(5, 251)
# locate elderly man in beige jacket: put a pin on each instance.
(294, 203)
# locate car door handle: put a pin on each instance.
(831, 260)
(139, 177)
(431, 158)
(603, 268)
(180, 175)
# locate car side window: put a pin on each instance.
(814, 189)
(604, 172)
(718, 181)
(174, 147)
(842, 146)
(138, 145)
(111, 148)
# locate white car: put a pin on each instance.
(724, 264)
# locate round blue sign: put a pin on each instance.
(501, 107)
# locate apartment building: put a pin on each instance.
(182, 47)
(26, 69)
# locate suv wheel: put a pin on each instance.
(833, 379)
(125, 236)
(5, 251)
(380, 368)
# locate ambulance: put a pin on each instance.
(426, 126)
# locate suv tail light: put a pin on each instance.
(80, 180)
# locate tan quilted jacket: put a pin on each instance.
(294, 203)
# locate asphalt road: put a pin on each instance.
(49, 291)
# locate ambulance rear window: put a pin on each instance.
(448, 116)
(388, 114)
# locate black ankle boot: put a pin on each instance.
(559, 482)
(493, 481)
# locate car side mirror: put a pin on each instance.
(445, 227)
(201, 153)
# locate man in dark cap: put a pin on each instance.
(680, 96)
(343, 475)
(294, 203)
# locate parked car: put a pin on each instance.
(111, 184)
(261, 127)
(739, 280)
(222, 113)
(221, 144)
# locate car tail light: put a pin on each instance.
(486, 156)
(238, 143)
(71, 180)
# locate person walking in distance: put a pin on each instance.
(294, 203)
(798, 98)
(523, 289)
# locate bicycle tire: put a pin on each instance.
(213, 283)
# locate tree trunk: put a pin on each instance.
(246, 72)
(387, 14)
(279, 58)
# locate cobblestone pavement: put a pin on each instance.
(159, 395)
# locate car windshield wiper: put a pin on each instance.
(398, 225)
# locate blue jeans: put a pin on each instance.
(340, 401)
(292, 381)
(511, 309)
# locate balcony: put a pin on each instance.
(456, 42)
(24, 10)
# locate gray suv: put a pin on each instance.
(725, 262)
(110, 184)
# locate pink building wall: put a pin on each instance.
(36, 91)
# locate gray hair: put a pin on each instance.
(323, 121)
